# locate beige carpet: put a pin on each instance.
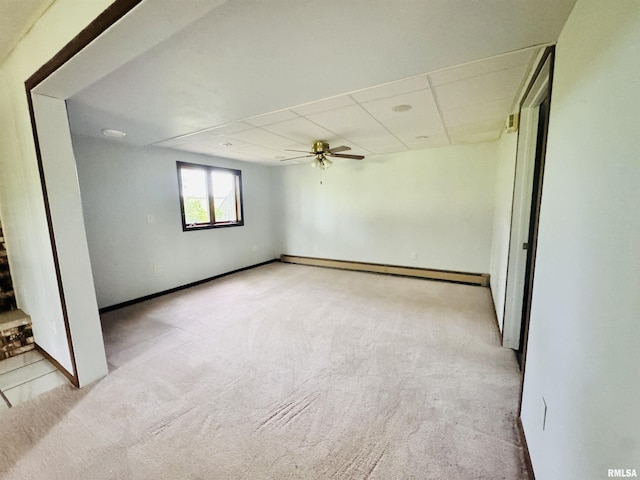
(285, 372)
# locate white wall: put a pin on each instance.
(436, 202)
(503, 201)
(122, 185)
(65, 208)
(21, 200)
(583, 351)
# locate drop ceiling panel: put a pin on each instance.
(241, 146)
(270, 118)
(422, 119)
(483, 88)
(381, 144)
(373, 143)
(431, 142)
(391, 89)
(324, 105)
(478, 112)
(205, 135)
(227, 129)
(414, 138)
(469, 70)
(301, 130)
(207, 149)
(478, 137)
(350, 122)
(258, 136)
(383, 150)
(476, 132)
(174, 142)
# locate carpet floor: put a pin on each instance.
(285, 372)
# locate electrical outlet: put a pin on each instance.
(157, 269)
(254, 248)
(413, 255)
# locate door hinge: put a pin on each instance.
(525, 246)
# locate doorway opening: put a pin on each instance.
(534, 218)
(527, 197)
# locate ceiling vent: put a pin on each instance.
(512, 123)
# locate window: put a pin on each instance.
(210, 197)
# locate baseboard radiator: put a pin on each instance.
(480, 279)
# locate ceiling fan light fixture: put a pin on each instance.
(321, 162)
(321, 151)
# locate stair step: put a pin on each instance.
(16, 334)
(13, 318)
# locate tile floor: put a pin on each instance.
(26, 376)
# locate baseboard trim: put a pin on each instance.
(181, 287)
(61, 369)
(525, 447)
(480, 279)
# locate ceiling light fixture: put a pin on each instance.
(225, 145)
(422, 137)
(321, 162)
(110, 132)
(402, 108)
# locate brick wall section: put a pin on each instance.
(7, 298)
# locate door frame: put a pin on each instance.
(539, 88)
(122, 31)
(92, 364)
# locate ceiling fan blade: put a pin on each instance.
(342, 148)
(342, 155)
(301, 151)
(301, 156)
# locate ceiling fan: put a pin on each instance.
(321, 151)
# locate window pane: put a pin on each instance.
(195, 197)
(224, 196)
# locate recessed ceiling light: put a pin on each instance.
(109, 132)
(422, 137)
(226, 145)
(402, 108)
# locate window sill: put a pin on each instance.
(191, 228)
